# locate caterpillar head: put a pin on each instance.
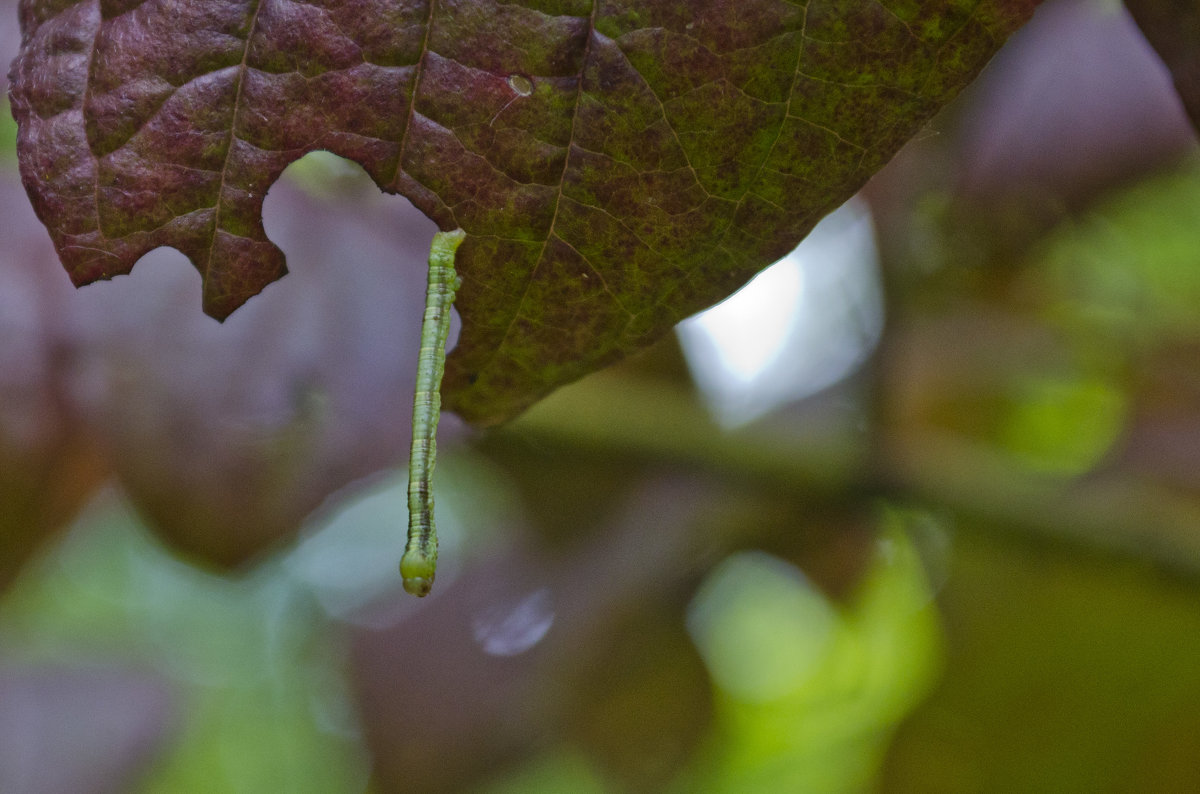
(418, 568)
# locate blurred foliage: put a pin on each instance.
(257, 667)
(1124, 272)
(1064, 673)
(256, 672)
(808, 690)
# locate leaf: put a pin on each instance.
(50, 461)
(617, 165)
(301, 393)
(1173, 28)
(293, 398)
(1076, 104)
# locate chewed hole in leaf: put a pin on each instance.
(323, 174)
(337, 227)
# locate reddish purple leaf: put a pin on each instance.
(617, 164)
(1076, 104)
(50, 462)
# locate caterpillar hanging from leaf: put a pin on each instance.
(419, 563)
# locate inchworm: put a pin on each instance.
(419, 563)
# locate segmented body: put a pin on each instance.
(419, 563)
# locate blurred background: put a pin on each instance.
(918, 510)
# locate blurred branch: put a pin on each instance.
(1109, 513)
(621, 416)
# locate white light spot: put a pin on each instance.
(798, 327)
(508, 629)
(520, 84)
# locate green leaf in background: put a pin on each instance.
(261, 701)
(808, 691)
(1127, 268)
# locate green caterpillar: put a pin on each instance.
(419, 563)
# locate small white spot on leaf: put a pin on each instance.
(520, 84)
